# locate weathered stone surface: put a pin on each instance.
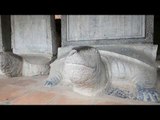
(33, 38)
(10, 64)
(129, 72)
(30, 69)
(106, 29)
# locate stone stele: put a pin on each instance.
(126, 71)
(34, 39)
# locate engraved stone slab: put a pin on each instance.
(106, 29)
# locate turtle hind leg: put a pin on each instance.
(148, 95)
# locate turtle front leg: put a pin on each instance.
(52, 81)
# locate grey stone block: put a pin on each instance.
(34, 39)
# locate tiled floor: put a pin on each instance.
(30, 91)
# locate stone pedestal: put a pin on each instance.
(33, 38)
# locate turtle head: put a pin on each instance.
(81, 64)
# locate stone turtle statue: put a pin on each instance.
(92, 72)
